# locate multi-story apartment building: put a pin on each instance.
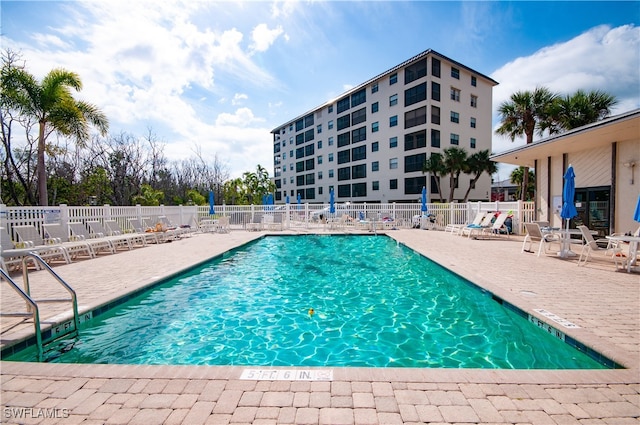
(370, 144)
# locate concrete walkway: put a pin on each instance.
(605, 304)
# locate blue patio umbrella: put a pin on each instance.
(212, 208)
(636, 214)
(287, 200)
(332, 203)
(568, 210)
(423, 207)
(299, 201)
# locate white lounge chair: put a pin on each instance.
(31, 238)
(114, 229)
(498, 227)
(11, 258)
(224, 225)
(592, 249)
(455, 229)
(80, 233)
(141, 229)
(117, 241)
(534, 234)
(55, 233)
(476, 229)
(256, 222)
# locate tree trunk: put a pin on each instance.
(42, 172)
(525, 184)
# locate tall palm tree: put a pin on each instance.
(435, 166)
(517, 177)
(477, 164)
(580, 108)
(52, 104)
(523, 114)
(455, 162)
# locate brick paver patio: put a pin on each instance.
(603, 302)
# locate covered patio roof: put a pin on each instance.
(619, 128)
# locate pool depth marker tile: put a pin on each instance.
(287, 375)
(555, 318)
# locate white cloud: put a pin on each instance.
(602, 58)
(263, 37)
(238, 98)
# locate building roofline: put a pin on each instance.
(570, 133)
(387, 72)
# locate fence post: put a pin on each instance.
(520, 215)
(64, 217)
(3, 217)
(106, 212)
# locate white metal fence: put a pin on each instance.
(294, 215)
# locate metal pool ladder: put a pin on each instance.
(32, 305)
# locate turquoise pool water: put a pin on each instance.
(374, 303)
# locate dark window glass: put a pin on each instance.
(414, 162)
(375, 147)
(455, 73)
(308, 120)
(435, 91)
(359, 153)
(359, 171)
(310, 178)
(435, 138)
(415, 117)
(415, 94)
(393, 184)
(393, 79)
(308, 135)
(414, 185)
(358, 190)
(344, 122)
(434, 180)
(309, 164)
(435, 114)
(309, 150)
(344, 139)
(299, 166)
(474, 81)
(415, 71)
(299, 139)
(359, 97)
(344, 173)
(435, 67)
(359, 116)
(359, 134)
(343, 105)
(299, 153)
(344, 156)
(374, 107)
(299, 124)
(415, 140)
(300, 180)
(310, 193)
(344, 190)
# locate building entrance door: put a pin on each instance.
(592, 204)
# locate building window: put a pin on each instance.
(435, 114)
(393, 100)
(284, 155)
(413, 186)
(415, 117)
(435, 138)
(299, 153)
(455, 94)
(472, 143)
(393, 142)
(309, 150)
(319, 159)
(374, 88)
(375, 147)
(291, 180)
(344, 139)
(415, 71)
(331, 173)
(299, 124)
(344, 173)
(473, 122)
(344, 122)
(359, 116)
(309, 164)
(291, 167)
(435, 91)
(344, 190)
(455, 73)
(415, 94)
(344, 156)
(299, 166)
(393, 121)
(330, 157)
(374, 107)
(393, 79)
(393, 163)
(308, 135)
(330, 141)
(455, 139)
(434, 183)
(343, 105)
(435, 67)
(359, 153)
(414, 162)
(319, 129)
(319, 188)
(375, 166)
(416, 140)
(359, 171)
(393, 184)
(330, 108)
(330, 124)
(375, 185)
(358, 98)
(359, 134)
(374, 127)
(319, 174)
(455, 117)
(310, 179)
(474, 101)
(319, 144)
(474, 81)
(300, 139)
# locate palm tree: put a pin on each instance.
(435, 166)
(477, 164)
(53, 106)
(517, 177)
(524, 113)
(455, 162)
(580, 108)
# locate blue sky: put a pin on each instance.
(217, 77)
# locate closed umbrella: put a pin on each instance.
(423, 207)
(212, 208)
(332, 206)
(636, 214)
(299, 201)
(568, 210)
(287, 200)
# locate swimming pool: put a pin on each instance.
(319, 300)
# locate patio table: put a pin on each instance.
(632, 253)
